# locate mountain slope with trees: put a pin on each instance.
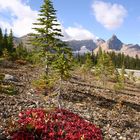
(112, 44)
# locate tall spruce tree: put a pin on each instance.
(48, 32)
(10, 42)
(1, 41)
(53, 49)
(5, 40)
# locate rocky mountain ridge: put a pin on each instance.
(84, 46)
(114, 44)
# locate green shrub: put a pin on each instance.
(8, 89)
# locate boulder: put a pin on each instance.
(9, 77)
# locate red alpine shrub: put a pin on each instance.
(36, 124)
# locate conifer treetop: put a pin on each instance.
(47, 27)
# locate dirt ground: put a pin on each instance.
(116, 113)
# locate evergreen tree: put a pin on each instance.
(21, 51)
(94, 59)
(104, 68)
(5, 40)
(113, 58)
(56, 53)
(62, 67)
(1, 41)
(120, 79)
(88, 61)
(137, 61)
(48, 32)
(10, 42)
(119, 61)
(99, 53)
(86, 67)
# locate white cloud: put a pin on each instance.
(21, 16)
(77, 33)
(111, 16)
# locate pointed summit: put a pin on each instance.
(114, 43)
(114, 36)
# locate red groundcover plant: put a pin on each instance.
(60, 124)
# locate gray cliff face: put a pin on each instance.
(77, 44)
(114, 43)
(99, 41)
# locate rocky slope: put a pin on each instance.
(77, 44)
(114, 44)
(131, 50)
(117, 114)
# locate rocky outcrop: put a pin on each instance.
(76, 45)
(114, 44)
(131, 50)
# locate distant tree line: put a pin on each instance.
(8, 49)
(6, 42)
(118, 59)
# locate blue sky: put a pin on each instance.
(80, 19)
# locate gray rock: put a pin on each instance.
(9, 77)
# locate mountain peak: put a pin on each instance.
(114, 36)
(114, 43)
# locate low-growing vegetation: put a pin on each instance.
(57, 124)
